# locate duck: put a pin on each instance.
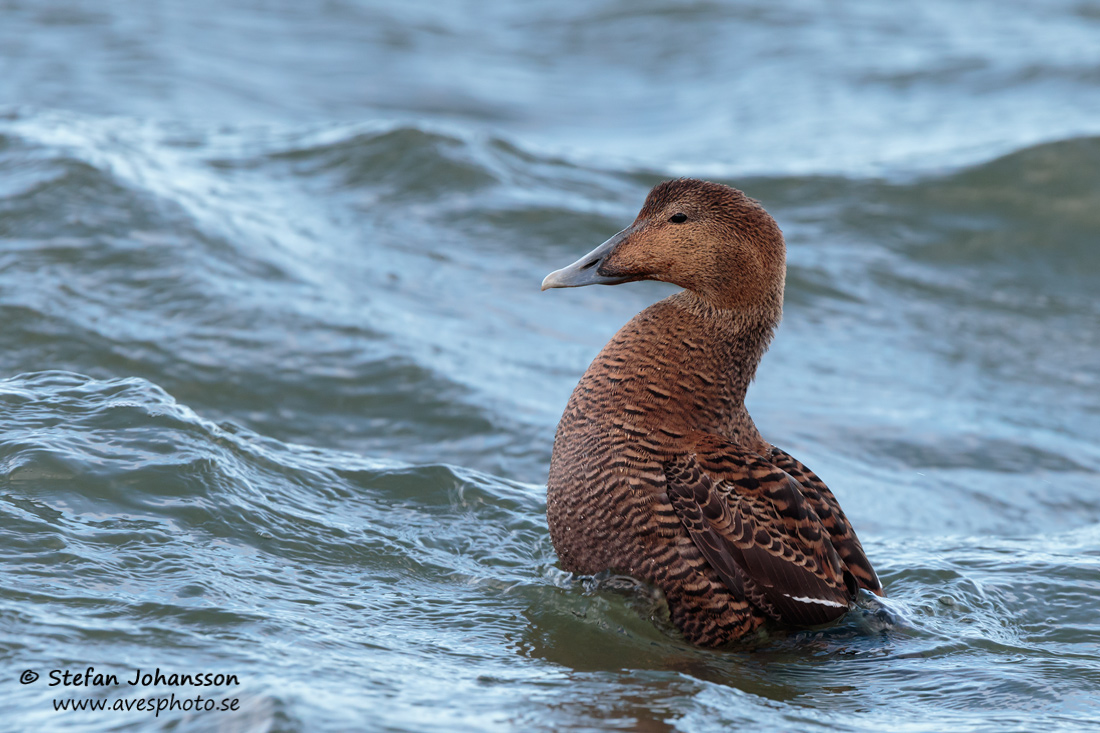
(658, 471)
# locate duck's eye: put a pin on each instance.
(678, 218)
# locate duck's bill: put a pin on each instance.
(586, 270)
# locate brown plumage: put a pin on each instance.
(658, 471)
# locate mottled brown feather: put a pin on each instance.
(752, 523)
(841, 534)
(658, 470)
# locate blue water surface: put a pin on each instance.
(278, 388)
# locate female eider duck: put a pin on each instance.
(658, 471)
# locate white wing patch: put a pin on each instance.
(821, 601)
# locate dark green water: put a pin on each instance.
(278, 387)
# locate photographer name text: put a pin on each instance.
(138, 678)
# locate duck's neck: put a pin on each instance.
(739, 338)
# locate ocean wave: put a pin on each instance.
(136, 452)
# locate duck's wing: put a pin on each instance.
(752, 523)
(832, 519)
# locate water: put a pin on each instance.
(279, 387)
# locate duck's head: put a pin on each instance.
(708, 238)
